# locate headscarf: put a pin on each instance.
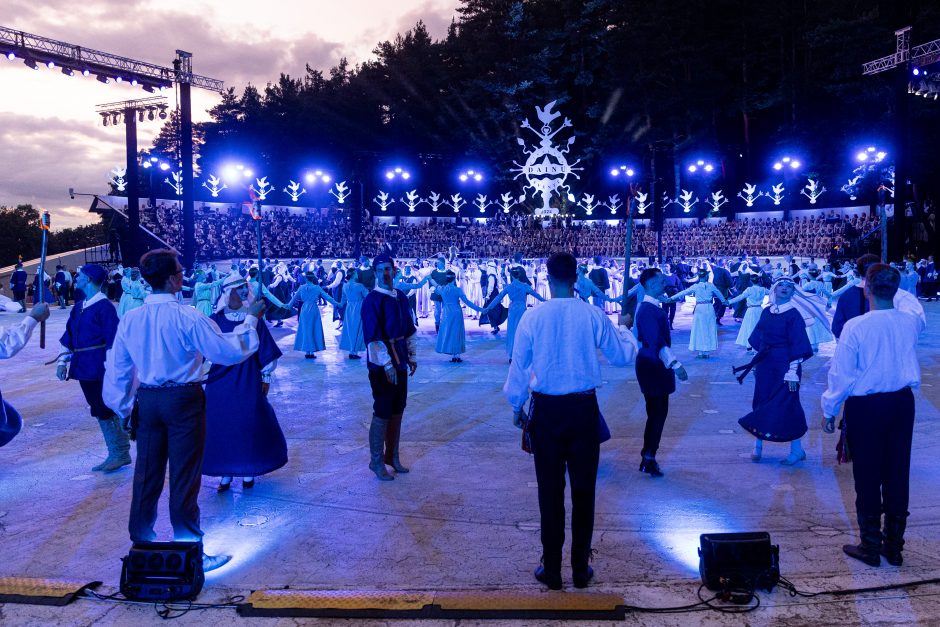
(811, 306)
(231, 282)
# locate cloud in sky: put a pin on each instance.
(50, 137)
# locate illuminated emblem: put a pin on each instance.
(546, 167)
(213, 185)
(812, 190)
(117, 178)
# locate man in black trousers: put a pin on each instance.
(873, 372)
(566, 424)
(656, 366)
(721, 279)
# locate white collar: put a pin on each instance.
(779, 309)
(156, 299)
(382, 290)
(91, 300)
(649, 299)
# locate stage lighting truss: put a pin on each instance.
(925, 84)
(146, 108)
(34, 50)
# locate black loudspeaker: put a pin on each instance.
(739, 560)
(162, 571)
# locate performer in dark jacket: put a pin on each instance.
(853, 303)
(656, 366)
(18, 286)
(391, 346)
(721, 279)
(88, 335)
(601, 279)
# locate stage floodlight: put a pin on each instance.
(86, 72)
(700, 162)
(68, 71)
(150, 115)
(11, 56)
(50, 65)
(326, 178)
(614, 172)
(477, 177)
(162, 112)
(862, 156)
(101, 78)
(146, 165)
(693, 168)
(397, 170)
(30, 64)
(104, 119)
(916, 72)
(119, 79)
(390, 175)
(115, 118)
(247, 173)
(406, 175)
(739, 561)
(164, 166)
(463, 177)
(778, 166)
(881, 155)
(794, 164)
(786, 159)
(709, 167)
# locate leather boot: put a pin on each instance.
(392, 440)
(377, 431)
(867, 551)
(119, 445)
(894, 538)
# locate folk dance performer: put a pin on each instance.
(518, 292)
(754, 297)
(350, 340)
(89, 334)
(853, 302)
(704, 336)
(782, 346)
(391, 357)
(494, 312)
(555, 353)
(12, 341)
(452, 335)
(243, 437)
(309, 338)
(872, 372)
(656, 366)
(133, 292)
(162, 346)
(18, 286)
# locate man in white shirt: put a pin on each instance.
(872, 372)
(555, 356)
(12, 341)
(162, 345)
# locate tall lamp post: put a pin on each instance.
(871, 158)
(626, 173)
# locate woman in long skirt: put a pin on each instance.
(518, 293)
(704, 336)
(243, 437)
(452, 336)
(755, 300)
(202, 293)
(351, 339)
(782, 345)
(309, 337)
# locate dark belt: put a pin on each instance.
(169, 384)
(549, 396)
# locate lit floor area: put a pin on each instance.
(466, 517)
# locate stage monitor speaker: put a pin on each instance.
(162, 571)
(739, 560)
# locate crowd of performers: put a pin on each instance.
(189, 381)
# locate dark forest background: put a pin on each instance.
(738, 80)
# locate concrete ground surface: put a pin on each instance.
(466, 517)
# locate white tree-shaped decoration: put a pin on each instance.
(885, 187)
(777, 194)
(813, 191)
(851, 187)
(717, 200)
(213, 185)
(340, 192)
(685, 201)
(294, 190)
(117, 177)
(434, 200)
(456, 202)
(748, 194)
(263, 188)
(177, 183)
(506, 201)
(613, 203)
(481, 203)
(383, 200)
(587, 203)
(411, 200)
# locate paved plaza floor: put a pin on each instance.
(466, 517)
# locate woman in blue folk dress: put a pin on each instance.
(782, 345)
(452, 336)
(351, 339)
(309, 337)
(517, 291)
(243, 437)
